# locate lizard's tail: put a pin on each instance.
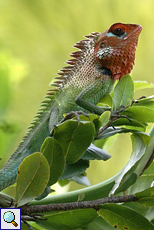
(8, 173)
(7, 177)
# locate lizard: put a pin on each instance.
(101, 59)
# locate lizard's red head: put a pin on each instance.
(115, 48)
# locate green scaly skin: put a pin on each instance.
(79, 86)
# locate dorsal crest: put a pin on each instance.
(83, 47)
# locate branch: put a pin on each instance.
(27, 210)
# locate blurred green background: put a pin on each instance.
(36, 37)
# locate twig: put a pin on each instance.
(27, 210)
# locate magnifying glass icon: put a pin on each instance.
(9, 217)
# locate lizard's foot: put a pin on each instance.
(74, 114)
(70, 116)
(113, 117)
(116, 115)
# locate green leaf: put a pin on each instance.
(53, 152)
(123, 93)
(134, 124)
(74, 138)
(81, 179)
(105, 118)
(147, 102)
(75, 169)
(91, 117)
(105, 101)
(95, 153)
(112, 131)
(144, 100)
(144, 211)
(140, 113)
(32, 179)
(45, 193)
(124, 218)
(128, 174)
(138, 85)
(150, 215)
(146, 159)
(142, 183)
(26, 227)
(68, 220)
(63, 183)
(146, 197)
(99, 224)
(149, 170)
(81, 196)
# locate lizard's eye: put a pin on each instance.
(102, 45)
(118, 31)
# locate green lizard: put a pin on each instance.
(102, 58)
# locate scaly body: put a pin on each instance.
(102, 58)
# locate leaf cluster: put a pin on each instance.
(66, 155)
